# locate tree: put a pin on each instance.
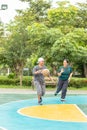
(80, 35)
(63, 16)
(17, 49)
(49, 32)
(72, 46)
(42, 38)
(38, 9)
(1, 34)
(64, 48)
(19, 46)
(81, 19)
(2, 41)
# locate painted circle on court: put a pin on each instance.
(63, 112)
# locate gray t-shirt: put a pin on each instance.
(39, 77)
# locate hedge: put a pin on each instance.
(14, 81)
(75, 82)
(78, 82)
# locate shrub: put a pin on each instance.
(78, 82)
(14, 81)
(75, 82)
(27, 80)
(11, 76)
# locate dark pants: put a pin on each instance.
(62, 86)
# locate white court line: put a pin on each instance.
(19, 112)
(3, 128)
(80, 110)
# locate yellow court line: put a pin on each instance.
(59, 112)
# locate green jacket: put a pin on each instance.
(67, 71)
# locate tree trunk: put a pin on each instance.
(21, 73)
(21, 78)
(54, 70)
(85, 69)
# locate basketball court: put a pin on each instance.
(21, 113)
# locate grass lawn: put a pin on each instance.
(17, 87)
(30, 87)
(82, 88)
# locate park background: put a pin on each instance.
(48, 31)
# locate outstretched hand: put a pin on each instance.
(62, 70)
(68, 80)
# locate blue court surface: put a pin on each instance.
(12, 119)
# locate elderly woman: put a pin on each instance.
(65, 74)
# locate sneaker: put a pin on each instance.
(40, 99)
(62, 100)
(40, 103)
(55, 94)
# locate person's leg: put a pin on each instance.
(64, 90)
(43, 86)
(39, 99)
(39, 90)
(59, 87)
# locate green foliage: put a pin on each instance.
(17, 49)
(42, 38)
(27, 80)
(78, 82)
(1, 29)
(2, 42)
(72, 46)
(15, 81)
(75, 82)
(63, 15)
(81, 20)
(8, 81)
(54, 33)
(37, 10)
(64, 48)
(11, 76)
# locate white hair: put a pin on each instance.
(40, 59)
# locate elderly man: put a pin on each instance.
(39, 82)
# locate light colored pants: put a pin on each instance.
(40, 88)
